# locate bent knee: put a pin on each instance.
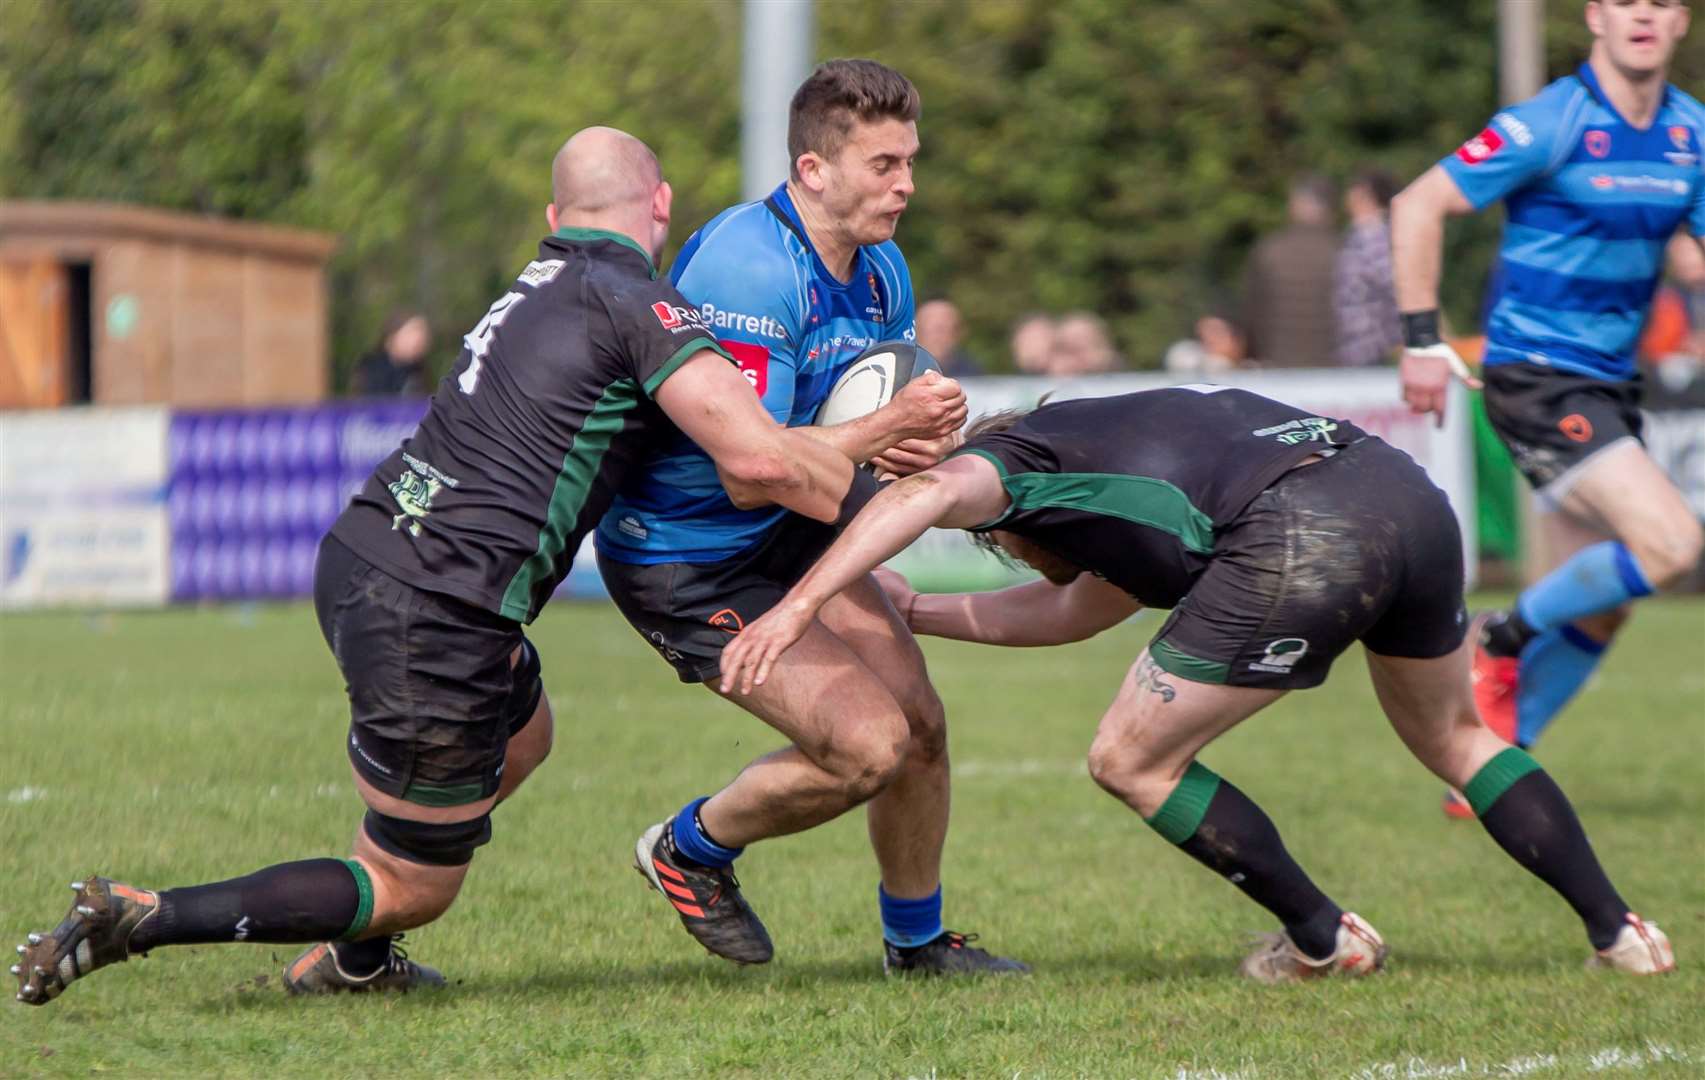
(1669, 554)
(1119, 768)
(864, 765)
(927, 724)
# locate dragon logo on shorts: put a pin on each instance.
(727, 619)
(1281, 655)
(1576, 427)
(414, 494)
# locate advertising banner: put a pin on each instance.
(252, 491)
(83, 508)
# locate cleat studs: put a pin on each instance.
(22, 950)
(34, 939)
(77, 885)
(16, 970)
(85, 909)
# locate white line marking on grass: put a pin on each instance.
(26, 794)
(1610, 1059)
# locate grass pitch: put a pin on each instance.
(177, 747)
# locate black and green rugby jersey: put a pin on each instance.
(1132, 487)
(528, 437)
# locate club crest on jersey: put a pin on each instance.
(1679, 136)
(414, 494)
(1281, 655)
(875, 308)
(1597, 143)
(1481, 147)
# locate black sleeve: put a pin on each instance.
(658, 331)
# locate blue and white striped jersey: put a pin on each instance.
(1591, 202)
(794, 330)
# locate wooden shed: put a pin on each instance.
(123, 305)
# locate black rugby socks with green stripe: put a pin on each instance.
(1531, 819)
(288, 904)
(1222, 828)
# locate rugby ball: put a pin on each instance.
(872, 380)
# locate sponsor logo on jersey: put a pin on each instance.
(1680, 136)
(541, 272)
(754, 361)
(1675, 158)
(1294, 432)
(1281, 655)
(728, 619)
(1481, 147)
(1519, 132)
(1576, 427)
(756, 325)
(1597, 143)
(1644, 184)
(1603, 182)
(676, 320)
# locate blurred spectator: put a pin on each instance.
(1217, 348)
(1082, 346)
(940, 331)
(1032, 344)
(1287, 285)
(1362, 293)
(397, 366)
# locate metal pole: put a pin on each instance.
(775, 59)
(1521, 49)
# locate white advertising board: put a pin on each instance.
(83, 508)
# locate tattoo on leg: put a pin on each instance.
(1149, 677)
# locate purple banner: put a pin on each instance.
(251, 492)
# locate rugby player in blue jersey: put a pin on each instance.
(795, 286)
(1597, 173)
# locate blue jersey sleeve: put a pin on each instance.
(1517, 147)
(751, 296)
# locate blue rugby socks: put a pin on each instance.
(908, 924)
(1594, 579)
(1554, 666)
(694, 844)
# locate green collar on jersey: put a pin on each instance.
(583, 235)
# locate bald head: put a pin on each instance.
(601, 170)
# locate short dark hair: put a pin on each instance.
(839, 91)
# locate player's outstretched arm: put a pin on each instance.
(1035, 613)
(929, 408)
(1417, 249)
(959, 493)
(760, 462)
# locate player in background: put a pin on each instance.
(458, 539)
(796, 285)
(1596, 173)
(1277, 539)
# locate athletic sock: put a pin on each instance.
(1531, 819)
(1554, 666)
(288, 904)
(694, 844)
(1222, 828)
(910, 924)
(1594, 579)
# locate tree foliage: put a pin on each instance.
(1105, 154)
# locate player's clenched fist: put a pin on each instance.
(931, 406)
